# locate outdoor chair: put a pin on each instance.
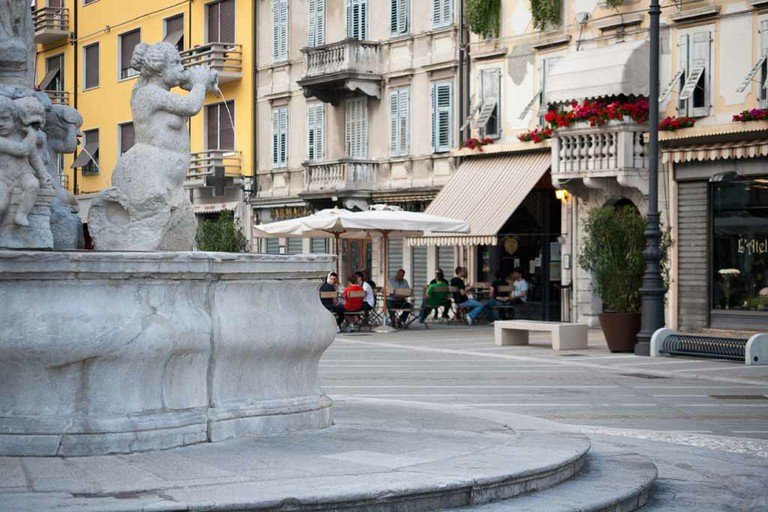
(404, 294)
(358, 318)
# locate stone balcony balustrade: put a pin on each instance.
(341, 175)
(51, 24)
(214, 168)
(58, 97)
(601, 157)
(338, 70)
(224, 58)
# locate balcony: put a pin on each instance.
(214, 168)
(58, 97)
(339, 70)
(601, 157)
(51, 24)
(346, 175)
(224, 58)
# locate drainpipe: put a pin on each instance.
(464, 71)
(75, 20)
(254, 145)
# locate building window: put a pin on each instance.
(127, 137)
(128, 43)
(91, 65)
(398, 23)
(399, 121)
(316, 23)
(54, 74)
(694, 73)
(221, 22)
(357, 19)
(762, 88)
(174, 31)
(219, 132)
(442, 13)
(489, 118)
(315, 132)
(280, 137)
(88, 159)
(356, 128)
(280, 30)
(442, 117)
(740, 245)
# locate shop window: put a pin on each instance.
(740, 245)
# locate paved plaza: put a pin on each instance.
(703, 422)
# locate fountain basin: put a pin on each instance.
(119, 352)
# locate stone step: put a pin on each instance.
(610, 481)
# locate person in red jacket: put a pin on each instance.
(352, 304)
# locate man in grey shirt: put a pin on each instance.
(395, 301)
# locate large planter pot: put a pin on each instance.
(620, 330)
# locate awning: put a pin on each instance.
(174, 37)
(615, 69)
(48, 78)
(485, 192)
(717, 151)
(215, 207)
(85, 155)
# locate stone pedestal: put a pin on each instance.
(126, 352)
(35, 236)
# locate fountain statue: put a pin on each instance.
(147, 208)
(119, 350)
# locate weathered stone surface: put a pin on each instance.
(17, 44)
(124, 352)
(147, 208)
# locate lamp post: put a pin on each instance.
(652, 290)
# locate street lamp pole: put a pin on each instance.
(652, 290)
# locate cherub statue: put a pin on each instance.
(21, 161)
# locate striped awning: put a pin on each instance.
(717, 151)
(485, 192)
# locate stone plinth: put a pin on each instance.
(125, 352)
(35, 236)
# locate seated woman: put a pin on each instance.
(437, 295)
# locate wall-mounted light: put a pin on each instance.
(562, 195)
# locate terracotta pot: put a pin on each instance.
(620, 330)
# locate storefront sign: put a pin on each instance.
(752, 245)
(289, 212)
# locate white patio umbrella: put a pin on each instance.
(380, 220)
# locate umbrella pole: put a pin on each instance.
(338, 256)
(385, 263)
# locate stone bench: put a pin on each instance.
(564, 336)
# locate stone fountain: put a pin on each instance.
(144, 344)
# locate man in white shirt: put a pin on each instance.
(520, 288)
(370, 299)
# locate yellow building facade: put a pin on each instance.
(73, 34)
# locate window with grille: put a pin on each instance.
(280, 137)
(442, 116)
(279, 30)
(315, 132)
(128, 43)
(221, 22)
(220, 133)
(127, 137)
(489, 118)
(694, 72)
(442, 13)
(399, 126)
(316, 22)
(174, 31)
(91, 66)
(399, 23)
(356, 128)
(357, 19)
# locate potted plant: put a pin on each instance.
(613, 254)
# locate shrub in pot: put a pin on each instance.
(613, 253)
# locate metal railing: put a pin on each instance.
(205, 163)
(704, 346)
(347, 55)
(599, 150)
(51, 21)
(58, 97)
(341, 175)
(225, 58)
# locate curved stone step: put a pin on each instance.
(613, 481)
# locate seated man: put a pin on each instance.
(330, 303)
(520, 291)
(460, 295)
(395, 301)
(499, 297)
(437, 295)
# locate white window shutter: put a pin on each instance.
(320, 121)
(682, 106)
(280, 30)
(404, 118)
(404, 12)
(436, 13)
(442, 116)
(311, 24)
(320, 24)
(311, 142)
(702, 54)
(275, 137)
(447, 12)
(394, 122)
(276, 29)
(284, 29)
(284, 136)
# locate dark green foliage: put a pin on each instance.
(484, 17)
(545, 13)
(222, 235)
(614, 4)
